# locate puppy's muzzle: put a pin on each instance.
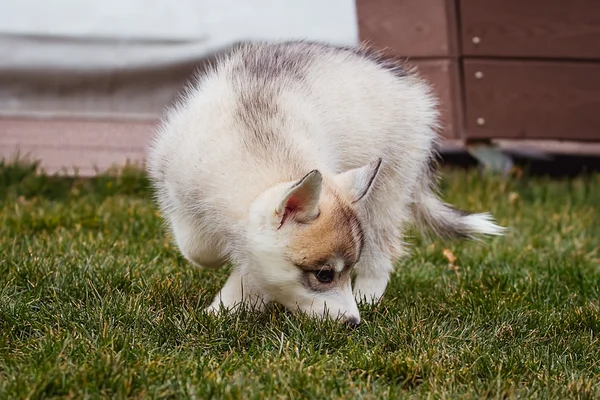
(352, 322)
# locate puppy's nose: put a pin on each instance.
(353, 322)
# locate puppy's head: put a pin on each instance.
(305, 238)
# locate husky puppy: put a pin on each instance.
(302, 164)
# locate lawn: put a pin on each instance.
(95, 301)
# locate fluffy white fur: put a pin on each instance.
(247, 132)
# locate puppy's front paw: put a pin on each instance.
(220, 304)
(214, 308)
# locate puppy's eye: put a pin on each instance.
(325, 275)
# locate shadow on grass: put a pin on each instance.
(556, 166)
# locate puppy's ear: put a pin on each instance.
(301, 201)
(357, 183)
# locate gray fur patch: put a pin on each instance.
(263, 64)
(260, 69)
(254, 111)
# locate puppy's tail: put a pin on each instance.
(446, 221)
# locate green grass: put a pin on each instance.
(95, 301)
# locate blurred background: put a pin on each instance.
(82, 84)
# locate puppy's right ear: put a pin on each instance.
(301, 201)
(357, 183)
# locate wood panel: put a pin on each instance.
(531, 28)
(416, 28)
(443, 75)
(536, 99)
(87, 145)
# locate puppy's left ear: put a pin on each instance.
(357, 183)
(301, 200)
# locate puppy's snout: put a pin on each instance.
(353, 322)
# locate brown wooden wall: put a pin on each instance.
(518, 69)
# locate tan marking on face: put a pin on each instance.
(335, 234)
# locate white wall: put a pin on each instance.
(155, 31)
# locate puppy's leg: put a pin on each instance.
(376, 264)
(372, 277)
(235, 292)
